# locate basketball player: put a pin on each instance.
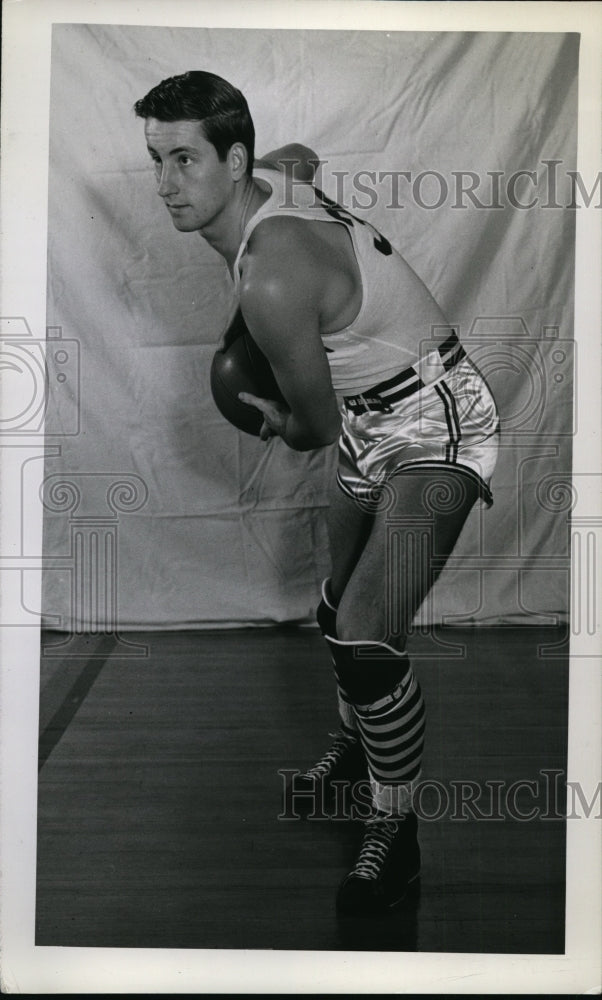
(362, 354)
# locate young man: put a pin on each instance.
(362, 353)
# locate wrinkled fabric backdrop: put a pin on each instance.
(219, 529)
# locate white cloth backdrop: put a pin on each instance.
(230, 531)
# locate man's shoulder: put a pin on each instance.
(278, 231)
(280, 265)
(280, 245)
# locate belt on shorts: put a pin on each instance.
(406, 383)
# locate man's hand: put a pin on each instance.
(275, 415)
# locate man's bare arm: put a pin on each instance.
(279, 300)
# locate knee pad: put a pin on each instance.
(326, 616)
(368, 671)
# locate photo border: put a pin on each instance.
(26, 968)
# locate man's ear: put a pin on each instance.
(238, 158)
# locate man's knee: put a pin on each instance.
(369, 621)
(368, 671)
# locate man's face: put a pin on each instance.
(194, 184)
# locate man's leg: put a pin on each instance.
(349, 527)
(379, 591)
(382, 571)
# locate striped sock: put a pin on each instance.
(392, 734)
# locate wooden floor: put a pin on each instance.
(159, 796)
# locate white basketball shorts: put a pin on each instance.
(440, 413)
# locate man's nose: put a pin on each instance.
(167, 181)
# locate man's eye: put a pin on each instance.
(185, 160)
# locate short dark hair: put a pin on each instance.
(206, 98)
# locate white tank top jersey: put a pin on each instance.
(374, 346)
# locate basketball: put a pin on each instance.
(240, 366)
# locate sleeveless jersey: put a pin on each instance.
(373, 347)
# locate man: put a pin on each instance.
(363, 353)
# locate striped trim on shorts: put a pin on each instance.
(439, 413)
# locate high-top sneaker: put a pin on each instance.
(387, 864)
(344, 761)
